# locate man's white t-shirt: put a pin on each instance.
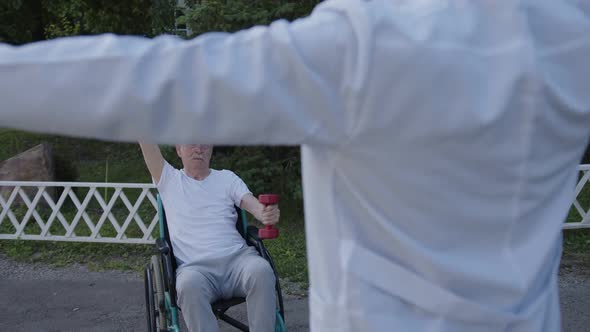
(201, 214)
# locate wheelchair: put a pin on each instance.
(160, 281)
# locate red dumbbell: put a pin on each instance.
(269, 231)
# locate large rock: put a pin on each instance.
(35, 164)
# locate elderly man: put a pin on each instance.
(440, 141)
(213, 258)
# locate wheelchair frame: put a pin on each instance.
(160, 281)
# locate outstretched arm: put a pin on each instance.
(278, 84)
(153, 160)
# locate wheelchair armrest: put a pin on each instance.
(254, 240)
(162, 246)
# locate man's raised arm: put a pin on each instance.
(153, 159)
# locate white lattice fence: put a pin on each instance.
(76, 211)
(127, 212)
(580, 213)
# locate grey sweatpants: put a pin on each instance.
(242, 274)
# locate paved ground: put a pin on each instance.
(41, 298)
(574, 294)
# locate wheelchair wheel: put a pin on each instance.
(149, 299)
(159, 298)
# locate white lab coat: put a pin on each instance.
(440, 141)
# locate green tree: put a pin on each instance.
(232, 15)
(23, 21)
(134, 17)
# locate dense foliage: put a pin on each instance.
(23, 21)
(233, 15)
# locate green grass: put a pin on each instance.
(576, 250)
(97, 256)
(577, 240)
(288, 252)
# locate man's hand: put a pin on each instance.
(270, 214)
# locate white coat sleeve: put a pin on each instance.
(281, 84)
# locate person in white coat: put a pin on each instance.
(440, 141)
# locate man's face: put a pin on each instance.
(195, 155)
